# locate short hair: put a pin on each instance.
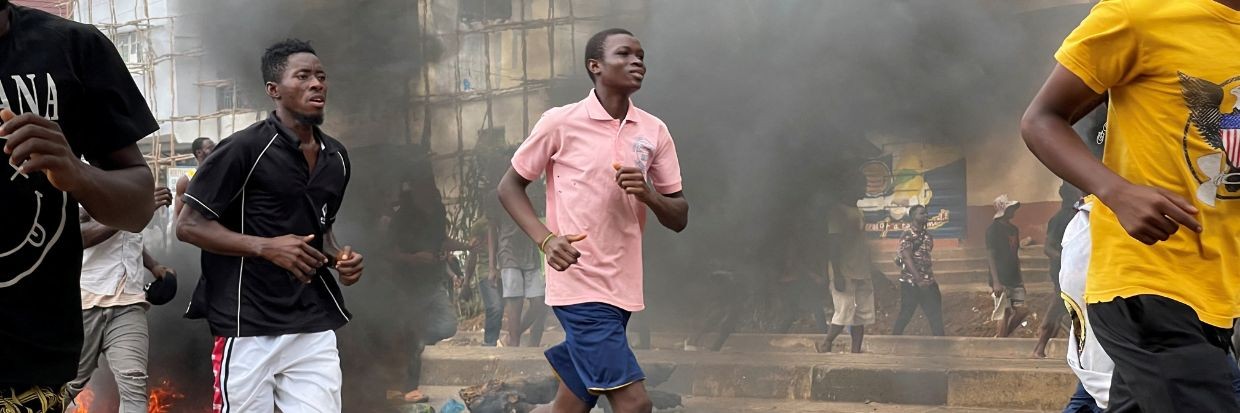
(275, 59)
(913, 209)
(594, 47)
(198, 144)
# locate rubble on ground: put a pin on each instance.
(523, 395)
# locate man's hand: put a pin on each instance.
(161, 270)
(163, 197)
(349, 265)
(560, 251)
(493, 277)
(294, 253)
(632, 181)
(35, 144)
(997, 289)
(1150, 214)
(840, 283)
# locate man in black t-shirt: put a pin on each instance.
(1003, 248)
(1055, 229)
(73, 97)
(262, 207)
(420, 249)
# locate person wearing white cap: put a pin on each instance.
(1007, 285)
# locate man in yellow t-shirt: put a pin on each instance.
(1164, 278)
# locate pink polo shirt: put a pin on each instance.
(576, 145)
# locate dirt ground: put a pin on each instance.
(965, 314)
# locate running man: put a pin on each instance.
(1162, 288)
(598, 156)
(262, 208)
(65, 93)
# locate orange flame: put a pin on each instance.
(83, 400)
(162, 398)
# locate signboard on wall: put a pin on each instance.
(171, 175)
(915, 174)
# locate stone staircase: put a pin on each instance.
(758, 372)
(968, 266)
(783, 373)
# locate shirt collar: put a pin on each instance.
(598, 112)
(290, 137)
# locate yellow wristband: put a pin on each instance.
(543, 246)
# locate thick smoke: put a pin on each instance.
(372, 50)
(771, 104)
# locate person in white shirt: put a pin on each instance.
(115, 299)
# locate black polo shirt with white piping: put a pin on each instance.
(257, 182)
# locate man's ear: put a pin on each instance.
(595, 67)
(271, 90)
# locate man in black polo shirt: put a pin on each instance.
(261, 208)
(72, 96)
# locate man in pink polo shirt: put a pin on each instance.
(601, 155)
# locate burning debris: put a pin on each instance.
(160, 399)
(513, 396)
(524, 395)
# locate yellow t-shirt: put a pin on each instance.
(1172, 68)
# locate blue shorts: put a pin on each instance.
(595, 356)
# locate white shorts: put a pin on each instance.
(1086, 357)
(288, 373)
(855, 305)
(523, 283)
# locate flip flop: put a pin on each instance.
(416, 396)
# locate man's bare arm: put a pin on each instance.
(182, 185)
(1047, 130)
(291, 252)
(110, 188)
(512, 195)
(1148, 214)
(672, 210)
(93, 233)
(558, 247)
(106, 187)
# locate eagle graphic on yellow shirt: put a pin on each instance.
(1220, 130)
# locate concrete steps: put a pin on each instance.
(968, 347)
(951, 381)
(964, 264)
(732, 405)
(968, 266)
(979, 276)
(1030, 252)
(697, 404)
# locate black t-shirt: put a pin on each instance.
(70, 73)
(1003, 242)
(415, 230)
(257, 182)
(1054, 236)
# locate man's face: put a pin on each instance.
(302, 89)
(623, 66)
(1010, 212)
(207, 148)
(921, 218)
